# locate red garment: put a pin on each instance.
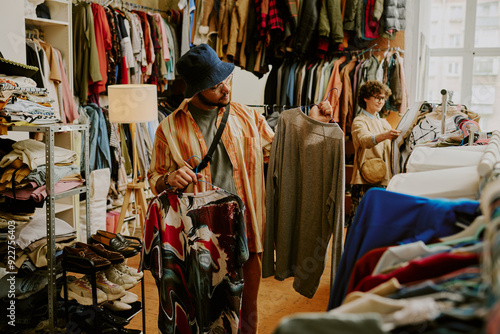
(262, 9)
(426, 268)
(364, 267)
(323, 44)
(103, 43)
(125, 74)
(275, 20)
(145, 31)
(371, 26)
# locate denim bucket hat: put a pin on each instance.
(201, 68)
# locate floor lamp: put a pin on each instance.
(132, 104)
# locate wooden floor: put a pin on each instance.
(277, 299)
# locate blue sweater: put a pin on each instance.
(386, 218)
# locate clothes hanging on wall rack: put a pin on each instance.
(242, 33)
(51, 75)
(133, 44)
(337, 79)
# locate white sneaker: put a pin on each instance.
(116, 276)
(116, 305)
(129, 270)
(81, 290)
(129, 298)
(112, 290)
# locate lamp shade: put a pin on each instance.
(132, 103)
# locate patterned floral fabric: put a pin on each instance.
(195, 246)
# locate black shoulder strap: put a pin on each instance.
(215, 142)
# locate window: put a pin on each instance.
(455, 40)
(487, 24)
(464, 55)
(485, 66)
(445, 74)
(453, 69)
(487, 8)
(456, 13)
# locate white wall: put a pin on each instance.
(12, 36)
(247, 88)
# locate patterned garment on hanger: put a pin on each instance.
(195, 246)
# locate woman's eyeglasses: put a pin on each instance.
(380, 98)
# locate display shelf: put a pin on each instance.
(45, 22)
(50, 131)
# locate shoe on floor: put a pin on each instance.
(116, 276)
(129, 270)
(81, 290)
(112, 290)
(120, 331)
(129, 298)
(116, 305)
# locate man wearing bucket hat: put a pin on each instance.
(241, 152)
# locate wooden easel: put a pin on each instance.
(137, 188)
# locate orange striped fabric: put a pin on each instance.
(247, 139)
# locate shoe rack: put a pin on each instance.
(82, 265)
(50, 132)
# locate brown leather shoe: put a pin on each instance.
(129, 241)
(114, 245)
(113, 257)
(71, 255)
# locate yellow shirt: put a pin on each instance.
(247, 138)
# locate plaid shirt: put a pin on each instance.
(275, 21)
(268, 16)
(247, 138)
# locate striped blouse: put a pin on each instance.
(247, 139)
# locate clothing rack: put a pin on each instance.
(491, 156)
(270, 108)
(360, 52)
(35, 33)
(132, 6)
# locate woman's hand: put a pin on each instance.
(322, 112)
(392, 134)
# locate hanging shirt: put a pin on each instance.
(195, 247)
(70, 111)
(305, 200)
(103, 44)
(86, 59)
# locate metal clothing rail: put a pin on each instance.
(132, 5)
